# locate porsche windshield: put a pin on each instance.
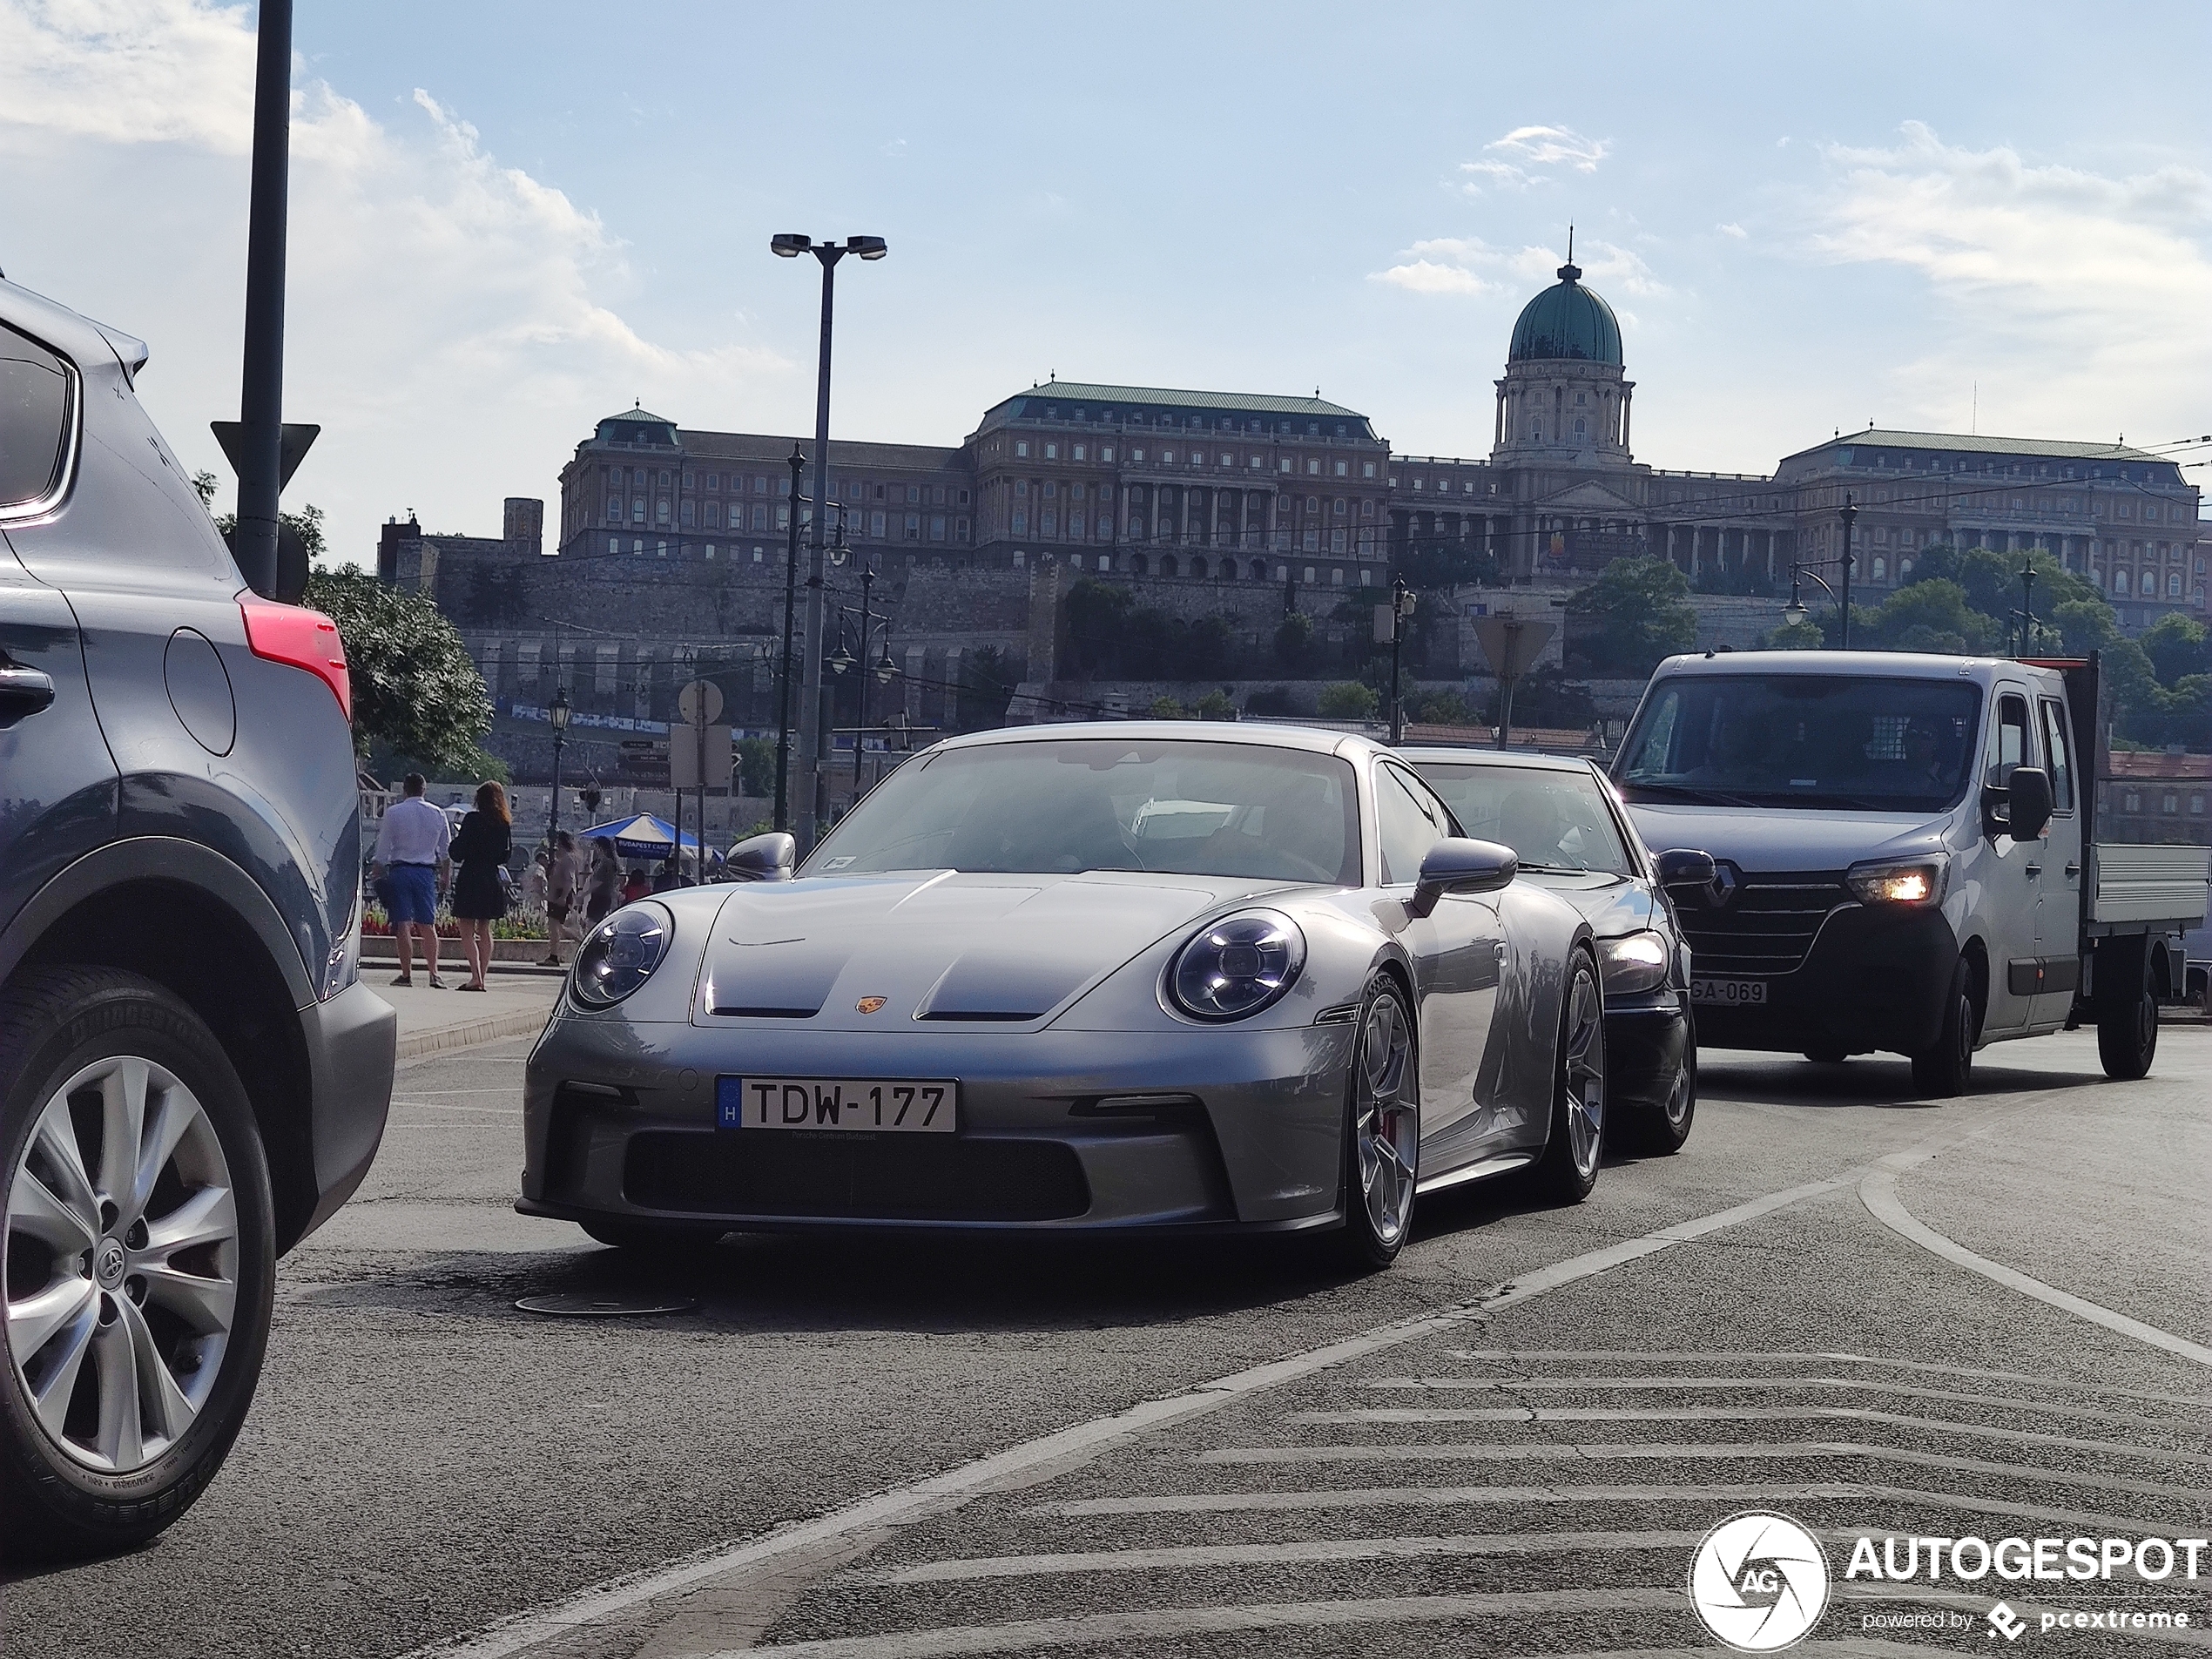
(1871, 744)
(1553, 819)
(1232, 809)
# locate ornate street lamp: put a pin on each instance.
(559, 715)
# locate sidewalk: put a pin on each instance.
(432, 1022)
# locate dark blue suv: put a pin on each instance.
(192, 1076)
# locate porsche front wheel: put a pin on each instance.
(1568, 1168)
(1383, 1147)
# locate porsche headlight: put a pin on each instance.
(1913, 883)
(1633, 962)
(1237, 966)
(620, 954)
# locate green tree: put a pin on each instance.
(416, 692)
(1295, 647)
(1800, 634)
(756, 766)
(1166, 708)
(986, 682)
(1637, 612)
(1216, 705)
(1932, 616)
(1348, 700)
(2178, 648)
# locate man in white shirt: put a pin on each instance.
(410, 870)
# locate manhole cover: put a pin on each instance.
(570, 1305)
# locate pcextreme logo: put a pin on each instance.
(1759, 1581)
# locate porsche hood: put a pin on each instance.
(883, 953)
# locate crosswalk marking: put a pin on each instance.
(1928, 1367)
(1747, 1385)
(1602, 1451)
(1748, 1414)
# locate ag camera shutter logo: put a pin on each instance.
(1759, 1581)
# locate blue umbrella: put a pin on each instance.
(644, 837)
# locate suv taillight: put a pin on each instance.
(301, 638)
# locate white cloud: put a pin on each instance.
(446, 315)
(1466, 265)
(2068, 291)
(1733, 230)
(1525, 151)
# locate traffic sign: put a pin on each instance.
(699, 702)
(1511, 645)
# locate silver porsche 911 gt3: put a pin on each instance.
(1078, 977)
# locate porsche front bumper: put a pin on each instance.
(1209, 1129)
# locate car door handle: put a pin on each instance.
(2073, 870)
(25, 691)
(2035, 869)
(1498, 948)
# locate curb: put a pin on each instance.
(490, 1029)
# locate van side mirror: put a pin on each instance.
(1685, 867)
(763, 858)
(2028, 793)
(1458, 865)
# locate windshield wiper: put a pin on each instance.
(1710, 797)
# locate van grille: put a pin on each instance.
(1766, 927)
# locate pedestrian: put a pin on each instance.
(562, 878)
(412, 848)
(485, 843)
(637, 886)
(534, 882)
(667, 876)
(603, 892)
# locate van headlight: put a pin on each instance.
(621, 953)
(1237, 966)
(1911, 883)
(1632, 962)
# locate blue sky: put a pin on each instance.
(511, 219)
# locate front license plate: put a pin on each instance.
(1729, 993)
(903, 1105)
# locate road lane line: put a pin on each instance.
(1879, 1193)
(1748, 1384)
(1206, 1503)
(1082, 1442)
(1783, 1356)
(1756, 1414)
(1029, 1634)
(1280, 1551)
(1602, 1451)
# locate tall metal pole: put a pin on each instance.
(553, 810)
(860, 725)
(1397, 634)
(783, 691)
(1851, 517)
(810, 705)
(260, 471)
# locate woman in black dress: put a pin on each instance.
(484, 845)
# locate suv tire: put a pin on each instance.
(2127, 1021)
(135, 1206)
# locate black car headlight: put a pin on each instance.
(1908, 883)
(1633, 962)
(621, 953)
(1237, 966)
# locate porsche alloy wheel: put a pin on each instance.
(1568, 1168)
(1383, 1162)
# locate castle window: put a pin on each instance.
(1021, 448)
(875, 525)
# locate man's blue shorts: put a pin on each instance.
(414, 894)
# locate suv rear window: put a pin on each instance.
(33, 419)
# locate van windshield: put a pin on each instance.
(1812, 740)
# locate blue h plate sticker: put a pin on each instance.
(729, 1103)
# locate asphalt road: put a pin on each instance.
(1528, 1473)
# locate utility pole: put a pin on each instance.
(1851, 517)
(260, 464)
(1399, 594)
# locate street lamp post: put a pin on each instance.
(559, 716)
(1398, 594)
(1851, 517)
(810, 708)
(783, 690)
(861, 723)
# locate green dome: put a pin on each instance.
(1567, 321)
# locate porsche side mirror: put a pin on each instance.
(1457, 865)
(1685, 866)
(763, 858)
(2028, 794)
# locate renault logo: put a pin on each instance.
(1726, 880)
